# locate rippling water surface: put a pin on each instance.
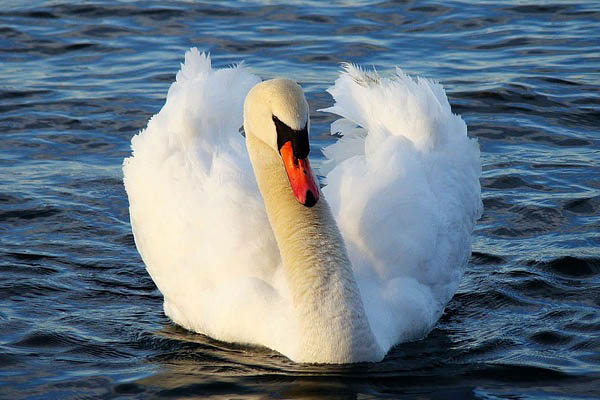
(79, 316)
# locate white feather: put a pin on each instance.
(197, 215)
(405, 195)
(402, 183)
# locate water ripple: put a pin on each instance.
(81, 317)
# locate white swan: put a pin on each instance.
(371, 264)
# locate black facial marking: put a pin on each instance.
(310, 199)
(299, 138)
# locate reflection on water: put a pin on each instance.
(202, 365)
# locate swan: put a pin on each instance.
(246, 247)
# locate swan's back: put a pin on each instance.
(403, 183)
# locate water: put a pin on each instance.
(79, 316)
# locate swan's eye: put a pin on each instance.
(298, 138)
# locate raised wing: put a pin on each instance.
(403, 185)
(198, 218)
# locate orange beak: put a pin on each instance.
(302, 179)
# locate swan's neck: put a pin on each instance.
(332, 323)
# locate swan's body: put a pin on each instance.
(239, 258)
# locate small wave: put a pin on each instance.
(484, 258)
(28, 214)
(583, 206)
(571, 267)
(551, 338)
(493, 299)
(46, 339)
(509, 182)
(528, 220)
(19, 94)
(102, 351)
(30, 256)
(583, 326)
(551, 9)
(518, 373)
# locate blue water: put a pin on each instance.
(79, 316)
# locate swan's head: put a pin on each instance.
(276, 112)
